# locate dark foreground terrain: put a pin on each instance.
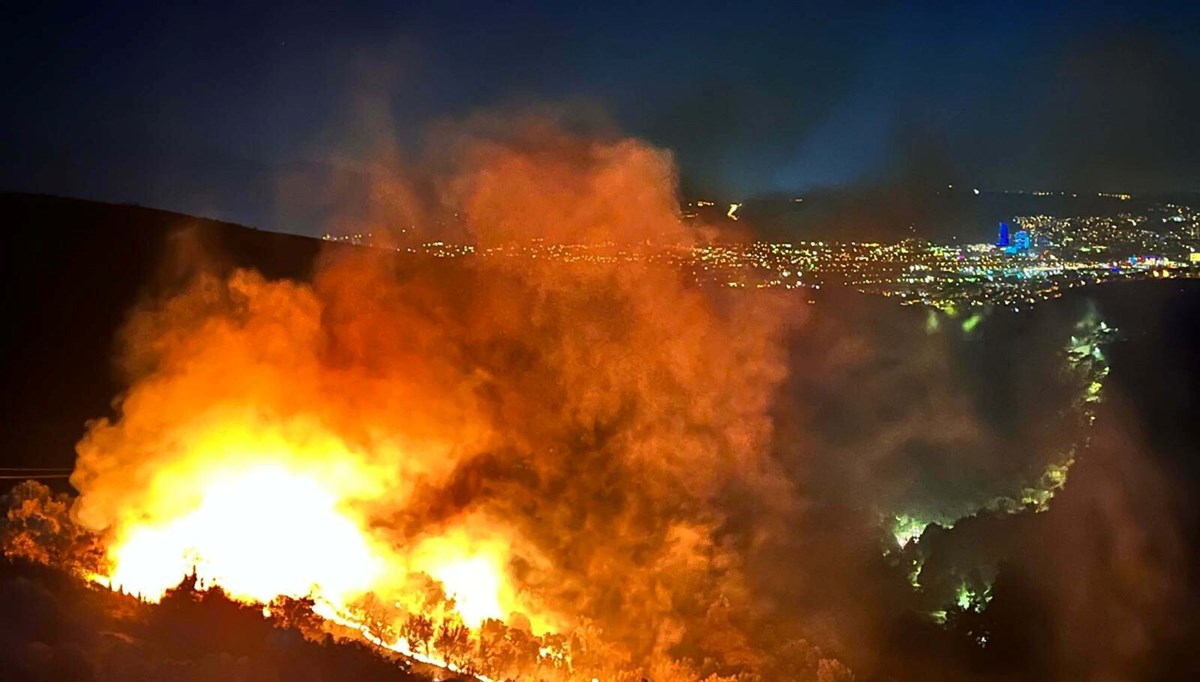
(54, 627)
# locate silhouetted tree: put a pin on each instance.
(380, 617)
(453, 641)
(419, 632)
(298, 614)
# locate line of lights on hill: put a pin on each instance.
(1039, 258)
(1087, 367)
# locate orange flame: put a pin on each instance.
(259, 534)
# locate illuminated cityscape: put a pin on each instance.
(1039, 258)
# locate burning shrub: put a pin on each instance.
(38, 527)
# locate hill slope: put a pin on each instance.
(72, 269)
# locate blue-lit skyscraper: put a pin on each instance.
(1002, 240)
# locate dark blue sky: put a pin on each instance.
(187, 105)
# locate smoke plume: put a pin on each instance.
(585, 424)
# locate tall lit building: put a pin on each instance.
(1002, 239)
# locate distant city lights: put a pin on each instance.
(1041, 258)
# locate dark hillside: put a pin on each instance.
(56, 627)
(72, 269)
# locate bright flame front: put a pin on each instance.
(259, 534)
(471, 573)
(284, 523)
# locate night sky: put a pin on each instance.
(196, 108)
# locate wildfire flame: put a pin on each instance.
(259, 534)
(474, 581)
(267, 531)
